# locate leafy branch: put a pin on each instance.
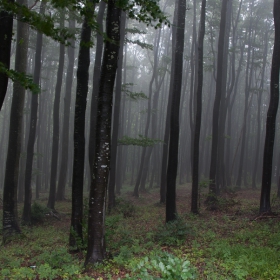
(25, 80)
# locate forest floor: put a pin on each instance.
(230, 243)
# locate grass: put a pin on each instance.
(226, 244)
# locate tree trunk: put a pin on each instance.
(116, 119)
(271, 115)
(32, 129)
(66, 116)
(96, 227)
(216, 109)
(174, 116)
(195, 165)
(10, 217)
(76, 233)
(55, 132)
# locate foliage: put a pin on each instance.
(162, 265)
(25, 80)
(38, 212)
(125, 208)
(133, 95)
(172, 233)
(141, 141)
(43, 23)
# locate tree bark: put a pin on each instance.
(271, 115)
(55, 132)
(76, 233)
(174, 116)
(96, 227)
(197, 125)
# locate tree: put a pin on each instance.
(55, 132)
(197, 124)
(96, 235)
(79, 128)
(265, 206)
(26, 216)
(10, 219)
(213, 190)
(174, 115)
(66, 116)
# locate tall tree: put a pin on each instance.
(32, 129)
(216, 109)
(66, 116)
(79, 128)
(55, 132)
(96, 234)
(271, 115)
(116, 118)
(10, 222)
(174, 116)
(197, 125)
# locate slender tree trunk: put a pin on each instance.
(213, 190)
(271, 115)
(32, 129)
(55, 132)
(66, 118)
(195, 168)
(10, 216)
(76, 233)
(174, 116)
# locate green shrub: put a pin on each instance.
(172, 233)
(124, 207)
(162, 265)
(38, 212)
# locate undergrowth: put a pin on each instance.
(226, 244)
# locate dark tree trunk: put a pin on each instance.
(6, 34)
(66, 117)
(271, 115)
(216, 109)
(10, 217)
(174, 116)
(55, 132)
(79, 131)
(96, 227)
(258, 137)
(116, 119)
(195, 165)
(32, 128)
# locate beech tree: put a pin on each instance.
(265, 206)
(174, 115)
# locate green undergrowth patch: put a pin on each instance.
(225, 244)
